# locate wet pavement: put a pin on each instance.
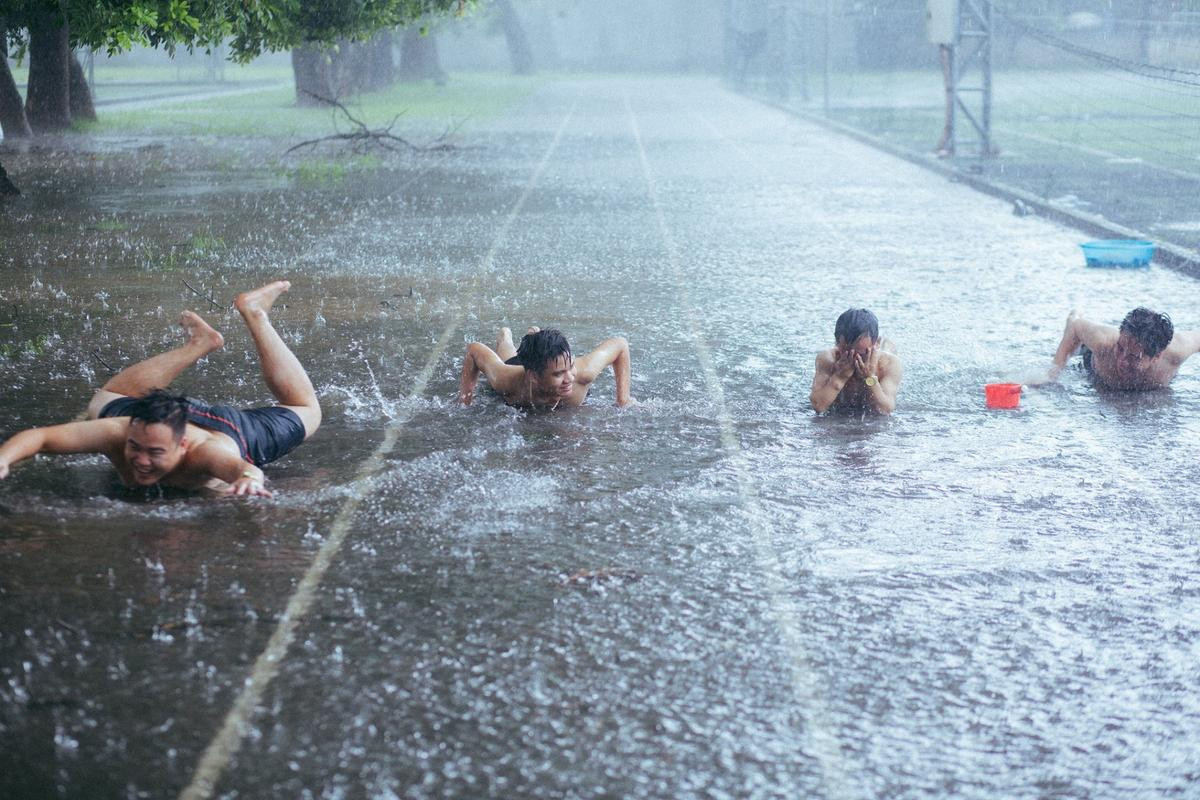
(712, 594)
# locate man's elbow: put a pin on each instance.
(620, 348)
(819, 404)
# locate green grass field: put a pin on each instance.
(272, 111)
(185, 70)
(264, 104)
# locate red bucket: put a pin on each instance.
(1003, 395)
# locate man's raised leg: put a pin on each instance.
(282, 371)
(504, 345)
(159, 371)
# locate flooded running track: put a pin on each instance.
(712, 594)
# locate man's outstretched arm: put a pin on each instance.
(1066, 347)
(479, 358)
(92, 436)
(1078, 331)
(614, 352)
(1191, 344)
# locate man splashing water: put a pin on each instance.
(1144, 353)
(542, 373)
(861, 371)
(152, 436)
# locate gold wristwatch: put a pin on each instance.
(870, 380)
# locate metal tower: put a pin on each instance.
(971, 79)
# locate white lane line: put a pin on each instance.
(820, 740)
(225, 744)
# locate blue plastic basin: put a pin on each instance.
(1118, 253)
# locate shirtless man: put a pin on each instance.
(1144, 353)
(860, 371)
(541, 373)
(152, 436)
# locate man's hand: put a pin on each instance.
(3, 470)
(868, 367)
(843, 365)
(247, 486)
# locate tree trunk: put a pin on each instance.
(81, 95)
(419, 57)
(6, 186)
(381, 69)
(48, 97)
(13, 122)
(349, 67)
(311, 68)
(519, 51)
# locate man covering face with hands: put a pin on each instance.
(860, 372)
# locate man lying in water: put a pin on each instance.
(152, 436)
(541, 373)
(861, 371)
(1144, 353)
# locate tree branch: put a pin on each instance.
(364, 136)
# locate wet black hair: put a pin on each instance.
(1152, 329)
(162, 407)
(853, 323)
(539, 349)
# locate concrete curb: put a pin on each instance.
(1167, 255)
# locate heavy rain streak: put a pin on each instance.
(716, 538)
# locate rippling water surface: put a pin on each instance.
(712, 594)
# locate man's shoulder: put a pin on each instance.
(203, 438)
(889, 360)
(1096, 333)
(507, 378)
(1183, 345)
(113, 430)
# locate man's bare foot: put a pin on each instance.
(260, 300)
(200, 332)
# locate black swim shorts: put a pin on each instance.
(262, 434)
